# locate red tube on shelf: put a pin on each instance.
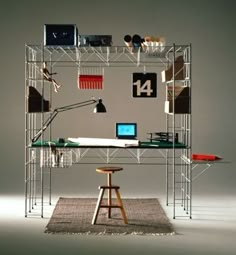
(207, 157)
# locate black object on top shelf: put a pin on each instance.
(60, 35)
(95, 40)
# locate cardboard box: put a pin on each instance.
(167, 75)
(181, 101)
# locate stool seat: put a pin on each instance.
(109, 170)
(108, 187)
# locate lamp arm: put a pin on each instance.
(45, 125)
(56, 111)
(76, 105)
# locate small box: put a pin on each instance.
(60, 35)
(96, 40)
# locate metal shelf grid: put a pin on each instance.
(178, 170)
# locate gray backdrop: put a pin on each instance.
(207, 25)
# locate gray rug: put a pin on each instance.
(74, 215)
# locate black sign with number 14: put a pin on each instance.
(144, 85)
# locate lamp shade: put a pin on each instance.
(100, 107)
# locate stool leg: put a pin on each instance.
(121, 206)
(95, 215)
(109, 202)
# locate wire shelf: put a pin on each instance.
(55, 157)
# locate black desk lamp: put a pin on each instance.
(98, 108)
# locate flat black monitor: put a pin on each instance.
(126, 130)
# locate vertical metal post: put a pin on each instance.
(26, 134)
(190, 130)
(50, 137)
(33, 127)
(167, 155)
(173, 132)
(167, 150)
(41, 125)
(187, 165)
(167, 179)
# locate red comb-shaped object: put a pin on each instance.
(90, 81)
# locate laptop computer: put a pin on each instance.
(126, 130)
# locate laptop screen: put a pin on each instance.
(126, 130)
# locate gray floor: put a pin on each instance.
(211, 231)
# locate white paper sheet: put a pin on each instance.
(104, 142)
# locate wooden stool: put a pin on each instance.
(109, 171)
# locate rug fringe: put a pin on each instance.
(111, 234)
